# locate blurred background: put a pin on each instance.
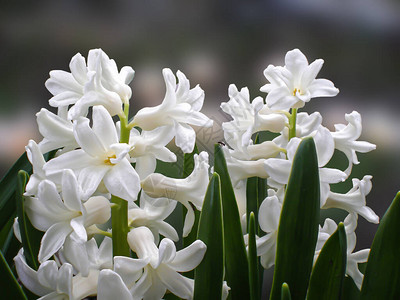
(214, 43)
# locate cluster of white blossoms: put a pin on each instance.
(103, 171)
(290, 87)
(96, 160)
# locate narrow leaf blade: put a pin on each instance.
(209, 274)
(382, 274)
(30, 236)
(236, 264)
(13, 290)
(7, 189)
(328, 274)
(298, 226)
(253, 260)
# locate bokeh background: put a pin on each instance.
(214, 43)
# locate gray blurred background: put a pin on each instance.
(214, 43)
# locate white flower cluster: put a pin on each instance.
(99, 162)
(289, 88)
(96, 159)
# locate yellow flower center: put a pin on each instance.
(108, 160)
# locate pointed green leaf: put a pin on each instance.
(285, 293)
(236, 264)
(30, 236)
(7, 189)
(209, 275)
(253, 260)
(11, 288)
(328, 274)
(382, 274)
(298, 226)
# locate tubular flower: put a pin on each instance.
(59, 217)
(180, 107)
(346, 139)
(354, 200)
(295, 84)
(97, 83)
(190, 190)
(151, 214)
(155, 270)
(101, 158)
(247, 118)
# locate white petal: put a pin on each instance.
(189, 258)
(87, 138)
(53, 239)
(311, 72)
(269, 214)
(129, 269)
(175, 282)
(123, 181)
(28, 276)
(295, 61)
(77, 225)
(78, 68)
(185, 137)
(71, 191)
(103, 126)
(167, 251)
(111, 286)
(61, 81)
(278, 169)
(322, 88)
(90, 178)
(64, 279)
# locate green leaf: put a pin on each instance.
(328, 274)
(7, 189)
(30, 236)
(253, 260)
(11, 288)
(236, 265)
(382, 274)
(209, 275)
(298, 226)
(350, 291)
(285, 292)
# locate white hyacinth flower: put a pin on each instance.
(59, 217)
(354, 200)
(154, 272)
(188, 191)
(180, 107)
(49, 281)
(57, 132)
(101, 159)
(148, 146)
(346, 139)
(151, 214)
(97, 83)
(248, 118)
(295, 84)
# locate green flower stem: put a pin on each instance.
(292, 124)
(119, 212)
